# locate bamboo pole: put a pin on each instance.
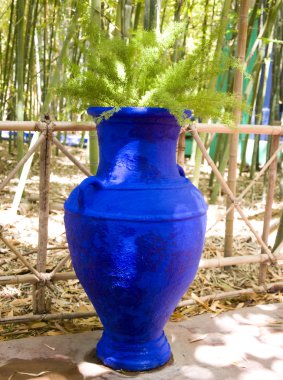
(20, 68)
(247, 189)
(242, 128)
(23, 178)
(20, 257)
(234, 139)
(20, 126)
(75, 126)
(271, 288)
(32, 279)
(39, 305)
(41, 126)
(35, 251)
(204, 264)
(221, 33)
(236, 260)
(59, 266)
(269, 201)
(228, 191)
(181, 148)
(46, 317)
(22, 162)
(70, 156)
(275, 287)
(79, 126)
(268, 25)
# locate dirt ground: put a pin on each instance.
(22, 230)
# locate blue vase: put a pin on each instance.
(136, 233)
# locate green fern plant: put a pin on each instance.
(141, 72)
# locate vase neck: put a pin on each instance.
(138, 149)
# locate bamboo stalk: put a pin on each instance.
(242, 128)
(269, 201)
(38, 126)
(8, 61)
(35, 251)
(93, 152)
(269, 23)
(226, 188)
(20, 257)
(39, 306)
(20, 67)
(181, 148)
(236, 260)
(59, 247)
(32, 279)
(204, 264)
(275, 287)
(54, 77)
(22, 162)
(234, 139)
(23, 178)
(74, 126)
(247, 189)
(59, 266)
(272, 160)
(78, 126)
(223, 160)
(46, 317)
(70, 156)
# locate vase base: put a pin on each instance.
(133, 357)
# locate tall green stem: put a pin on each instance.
(212, 83)
(20, 11)
(234, 139)
(93, 142)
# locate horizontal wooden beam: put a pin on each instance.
(32, 279)
(76, 126)
(271, 288)
(243, 128)
(41, 126)
(267, 288)
(46, 317)
(204, 264)
(236, 260)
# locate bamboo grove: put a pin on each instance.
(38, 37)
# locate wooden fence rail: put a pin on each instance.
(201, 127)
(40, 279)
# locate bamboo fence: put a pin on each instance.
(38, 276)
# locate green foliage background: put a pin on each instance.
(141, 71)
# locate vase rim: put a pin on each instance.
(138, 111)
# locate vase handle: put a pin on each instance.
(89, 181)
(181, 171)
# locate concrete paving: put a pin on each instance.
(244, 344)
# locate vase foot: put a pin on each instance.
(133, 357)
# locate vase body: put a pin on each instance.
(136, 233)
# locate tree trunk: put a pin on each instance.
(8, 62)
(152, 14)
(93, 142)
(279, 235)
(212, 83)
(234, 138)
(20, 57)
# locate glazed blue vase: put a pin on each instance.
(136, 233)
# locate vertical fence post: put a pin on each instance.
(181, 148)
(268, 206)
(234, 138)
(39, 301)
